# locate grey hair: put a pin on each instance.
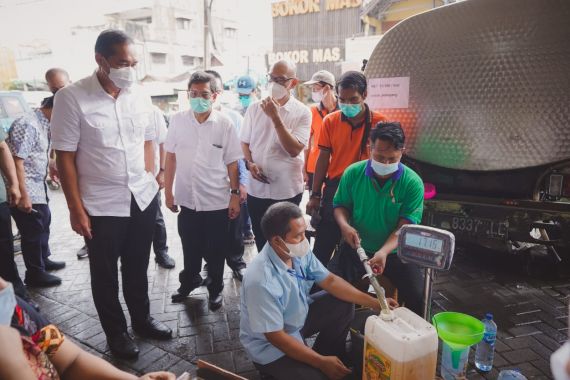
(275, 221)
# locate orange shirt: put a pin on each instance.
(344, 141)
(314, 137)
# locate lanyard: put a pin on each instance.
(294, 273)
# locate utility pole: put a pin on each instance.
(206, 37)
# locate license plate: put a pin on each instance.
(470, 226)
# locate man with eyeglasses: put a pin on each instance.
(322, 85)
(103, 136)
(203, 150)
(274, 135)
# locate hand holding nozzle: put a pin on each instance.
(386, 314)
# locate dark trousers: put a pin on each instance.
(204, 234)
(327, 239)
(408, 278)
(327, 232)
(330, 318)
(257, 208)
(234, 256)
(34, 229)
(8, 268)
(159, 237)
(127, 238)
(245, 219)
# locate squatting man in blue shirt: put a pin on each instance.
(277, 311)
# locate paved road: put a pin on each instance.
(532, 314)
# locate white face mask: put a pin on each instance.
(277, 91)
(298, 249)
(7, 305)
(317, 96)
(124, 77)
(383, 169)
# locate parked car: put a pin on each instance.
(12, 106)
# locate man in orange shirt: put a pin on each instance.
(343, 140)
(322, 91)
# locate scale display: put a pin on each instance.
(425, 246)
(423, 242)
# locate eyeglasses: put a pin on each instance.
(195, 94)
(279, 80)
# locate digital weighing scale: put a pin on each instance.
(429, 248)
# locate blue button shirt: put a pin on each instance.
(275, 297)
(29, 138)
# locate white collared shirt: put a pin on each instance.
(160, 130)
(108, 135)
(284, 173)
(203, 152)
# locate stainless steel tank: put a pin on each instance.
(489, 83)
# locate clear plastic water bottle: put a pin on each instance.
(486, 348)
(511, 375)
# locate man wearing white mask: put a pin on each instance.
(322, 85)
(277, 311)
(274, 135)
(103, 136)
(203, 150)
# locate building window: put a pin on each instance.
(182, 23)
(144, 20)
(188, 60)
(158, 58)
(230, 32)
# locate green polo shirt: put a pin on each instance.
(375, 211)
(2, 185)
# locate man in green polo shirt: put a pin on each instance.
(374, 199)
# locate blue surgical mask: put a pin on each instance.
(7, 305)
(245, 101)
(200, 105)
(350, 110)
(383, 169)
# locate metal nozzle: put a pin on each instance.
(386, 314)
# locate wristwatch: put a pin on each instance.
(234, 191)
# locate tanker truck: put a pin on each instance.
(482, 90)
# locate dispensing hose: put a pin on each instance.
(385, 312)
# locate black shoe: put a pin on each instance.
(182, 293)
(153, 328)
(238, 273)
(22, 292)
(123, 346)
(83, 252)
(164, 261)
(216, 302)
(42, 280)
(53, 265)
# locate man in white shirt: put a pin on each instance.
(203, 149)
(274, 134)
(234, 257)
(103, 135)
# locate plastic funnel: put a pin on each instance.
(458, 331)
